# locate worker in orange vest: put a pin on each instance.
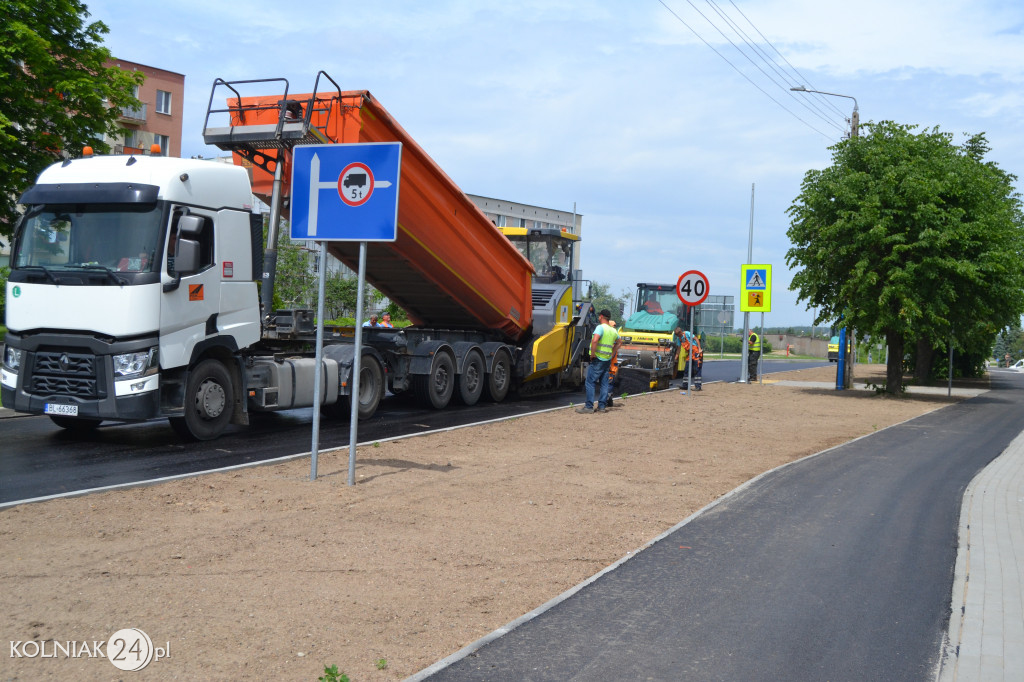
(696, 360)
(694, 354)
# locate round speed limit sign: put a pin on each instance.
(692, 287)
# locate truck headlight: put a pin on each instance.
(131, 365)
(12, 357)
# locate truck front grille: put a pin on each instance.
(61, 373)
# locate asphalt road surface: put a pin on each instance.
(39, 459)
(837, 567)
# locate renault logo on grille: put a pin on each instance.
(64, 362)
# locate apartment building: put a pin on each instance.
(159, 118)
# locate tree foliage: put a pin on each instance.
(911, 237)
(296, 283)
(56, 94)
(4, 273)
(601, 297)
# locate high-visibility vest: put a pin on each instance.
(607, 341)
(755, 343)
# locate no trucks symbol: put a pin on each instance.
(355, 184)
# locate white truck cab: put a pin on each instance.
(124, 271)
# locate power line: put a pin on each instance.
(737, 69)
(803, 79)
(808, 103)
(802, 101)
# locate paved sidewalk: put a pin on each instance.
(929, 390)
(904, 574)
(986, 628)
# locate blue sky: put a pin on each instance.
(620, 108)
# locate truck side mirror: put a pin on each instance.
(186, 258)
(186, 248)
(191, 225)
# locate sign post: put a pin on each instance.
(756, 297)
(692, 289)
(344, 192)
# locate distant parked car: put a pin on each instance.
(1017, 366)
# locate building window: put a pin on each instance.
(163, 102)
(164, 141)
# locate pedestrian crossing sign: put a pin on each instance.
(756, 288)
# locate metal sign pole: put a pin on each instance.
(318, 373)
(357, 355)
(689, 360)
(760, 356)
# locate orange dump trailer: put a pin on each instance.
(449, 267)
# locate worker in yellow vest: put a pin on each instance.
(604, 344)
(753, 353)
(681, 351)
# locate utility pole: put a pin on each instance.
(744, 373)
(852, 357)
(854, 133)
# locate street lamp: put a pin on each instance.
(854, 120)
(854, 124)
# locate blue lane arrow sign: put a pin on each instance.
(346, 192)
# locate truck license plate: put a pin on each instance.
(63, 410)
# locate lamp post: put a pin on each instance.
(854, 125)
(854, 119)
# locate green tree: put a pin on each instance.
(602, 297)
(56, 95)
(1009, 341)
(296, 282)
(341, 293)
(910, 237)
(4, 272)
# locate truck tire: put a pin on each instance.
(209, 395)
(371, 390)
(471, 382)
(435, 389)
(499, 379)
(74, 424)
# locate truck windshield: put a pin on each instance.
(551, 255)
(117, 237)
(657, 310)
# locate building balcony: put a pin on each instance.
(134, 115)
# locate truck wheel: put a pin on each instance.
(499, 380)
(74, 424)
(371, 390)
(435, 389)
(471, 381)
(208, 402)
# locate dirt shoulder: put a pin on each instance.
(260, 573)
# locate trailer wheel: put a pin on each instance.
(74, 424)
(499, 380)
(208, 402)
(371, 390)
(471, 381)
(435, 389)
